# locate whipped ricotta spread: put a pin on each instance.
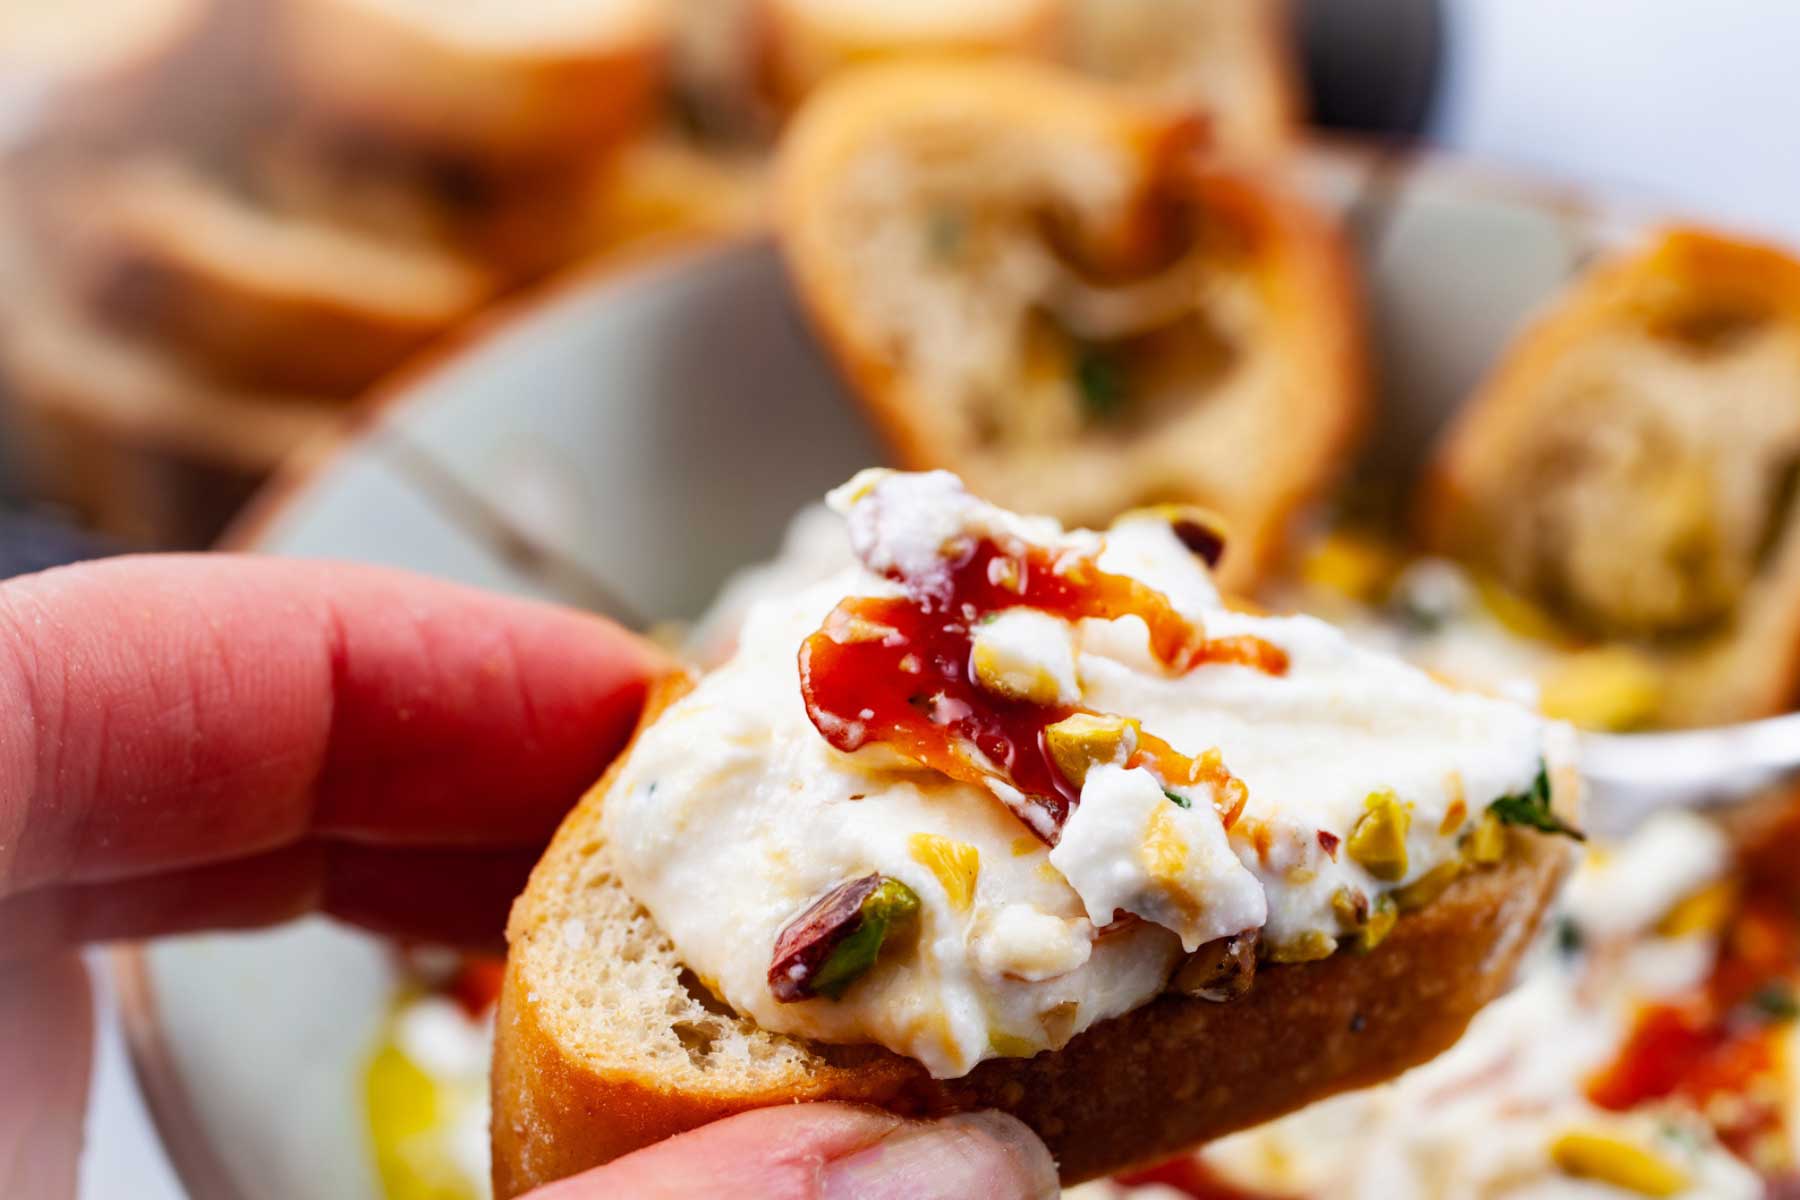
(1253, 775)
(1505, 1113)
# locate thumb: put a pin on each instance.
(828, 1152)
(45, 1017)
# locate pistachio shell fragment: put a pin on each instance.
(1308, 947)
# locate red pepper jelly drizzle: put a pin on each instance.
(896, 671)
(1719, 1043)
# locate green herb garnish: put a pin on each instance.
(1100, 378)
(1776, 1001)
(1531, 808)
(891, 904)
(1179, 801)
(1569, 937)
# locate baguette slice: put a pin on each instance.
(1034, 283)
(605, 1043)
(246, 292)
(804, 41)
(489, 81)
(1230, 60)
(1631, 465)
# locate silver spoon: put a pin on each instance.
(1631, 775)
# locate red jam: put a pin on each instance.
(896, 671)
(1718, 1048)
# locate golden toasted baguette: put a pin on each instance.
(1231, 60)
(244, 291)
(665, 189)
(490, 81)
(139, 446)
(605, 1049)
(1032, 282)
(804, 41)
(1631, 466)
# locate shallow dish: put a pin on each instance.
(623, 441)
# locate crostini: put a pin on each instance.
(1009, 817)
(242, 290)
(1041, 286)
(494, 83)
(1231, 61)
(805, 41)
(1629, 470)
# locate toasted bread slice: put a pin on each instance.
(804, 41)
(1631, 464)
(1230, 60)
(494, 82)
(245, 292)
(1033, 283)
(664, 188)
(605, 1043)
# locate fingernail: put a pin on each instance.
(984, 1154)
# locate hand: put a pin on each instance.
(205, 742)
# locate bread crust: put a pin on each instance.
(1751, 666)
(1130, 1090)
(1259, 114)
(799, 45)
(373, 72)
(158, 248)
(1302, 273)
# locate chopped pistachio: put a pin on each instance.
(1308, 947)
(1058, 1022)
(1486, 843)
(1367, 925)
(838, 937)
(1177, 799)
(956, 865)
(1427, 887)
(1378, 843)
(1086, 739)
(1220, 970)
(1351, 564)
(1611, 688)
(1616, 1161)
(1005, 1045)
(1351, 907)
(1702, 911)
(1381, 923)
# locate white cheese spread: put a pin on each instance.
(733, 813)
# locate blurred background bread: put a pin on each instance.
(382, 169)
(225, 277)
(1044, 286)
(1631, 468)
(488, 81)
(805, 41)
(1228, 59)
